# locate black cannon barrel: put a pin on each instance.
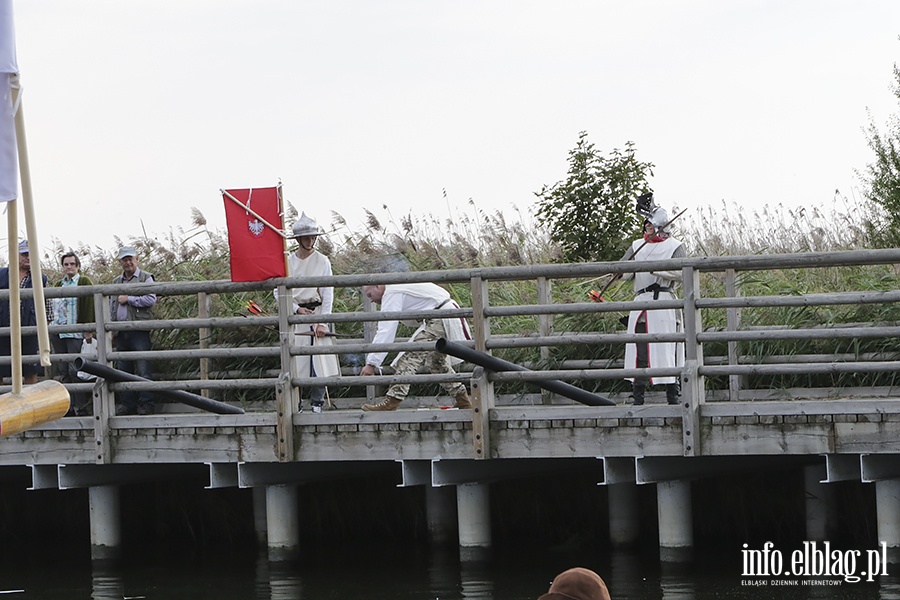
(493, 363)
(182, 396)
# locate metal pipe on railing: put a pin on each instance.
(492, 363)
(107, 372)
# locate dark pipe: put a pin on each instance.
(493, 363)
(177, 395)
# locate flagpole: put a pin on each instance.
(15, 304)
(252, 212)
(37, 277)
(284, 250)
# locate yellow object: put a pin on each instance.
(34, 405)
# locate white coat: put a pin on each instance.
(670, 320)
(413, 297)
(315, 265)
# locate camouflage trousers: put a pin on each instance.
(438, 362)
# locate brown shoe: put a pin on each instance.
(462, 400)
(387, 404)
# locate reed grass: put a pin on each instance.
(473, 238)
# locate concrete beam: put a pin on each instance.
(415, 472)
(44, 477)
(656, 469)
(879, 467)
(222, 475)
(267, 474)
(81, 476)
(842, 467)
(619, 469)
(460, 472)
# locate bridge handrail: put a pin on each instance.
(693, 305)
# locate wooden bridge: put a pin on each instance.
(837, 432)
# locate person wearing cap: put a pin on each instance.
(578, 583)
(31, 370)
(657, 244)
(304, 262)
(416, 297)
(124, 307)
(72, 311)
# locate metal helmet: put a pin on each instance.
(655, 215)
(658, 217)
(305, 226)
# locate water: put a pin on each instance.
(396, 573)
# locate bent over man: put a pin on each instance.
(415, 297)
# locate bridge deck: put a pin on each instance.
(802, 427)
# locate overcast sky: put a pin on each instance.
(137, 111)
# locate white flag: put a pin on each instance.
(9, 161)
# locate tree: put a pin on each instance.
(882, 179)
(591, 214)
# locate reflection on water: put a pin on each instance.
(890, 587)
(106, 583)
(676, 582)
(476, 581)
(277, 581)
(413, 573)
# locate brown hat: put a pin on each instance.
(577, 584)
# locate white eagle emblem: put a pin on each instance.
(256, 227)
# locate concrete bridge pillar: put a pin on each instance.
(106, 525)
(440, 513)
(676, 523)
(474, 518)
(820, 504)
(259, 515)
(887, 509)
(624, 524)
(282, 522)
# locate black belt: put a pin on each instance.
(441, 305)
(311, 305)
(655, 288)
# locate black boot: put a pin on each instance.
(637, 392)
(673, 393)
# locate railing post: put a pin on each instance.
(101, 396)
(203, 309)
(481, 330)
(545, 328)
(733, 323)
(369, 329)
(287, 399)
(481, 397)
(285, 343)
(284, 422)
(693, 384)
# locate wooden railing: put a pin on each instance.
(731, 366)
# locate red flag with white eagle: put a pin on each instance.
(255, 236)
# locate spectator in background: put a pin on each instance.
(133, 308)
(30, 371)
(72, 311)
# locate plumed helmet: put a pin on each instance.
(658, 216)
(647, 208)
(306, 226)
(644, 204)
